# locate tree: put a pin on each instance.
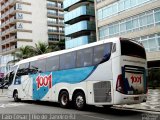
(58, 46)
(41, 48)
(22, 53)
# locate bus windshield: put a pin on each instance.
(130, 48)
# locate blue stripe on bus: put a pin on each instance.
(71, 76)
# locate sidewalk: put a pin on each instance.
(152, 103)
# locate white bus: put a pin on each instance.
(108, 72)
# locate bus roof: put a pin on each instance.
(67, 50)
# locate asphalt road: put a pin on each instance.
(51, 111)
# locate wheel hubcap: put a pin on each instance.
(79, 101)
(64, 100)
(16, 96)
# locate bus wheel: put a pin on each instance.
(15, 96)
(64, 99)
(79, 101)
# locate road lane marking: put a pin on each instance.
(11, 105)
(100, 118)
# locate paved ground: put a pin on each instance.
(52, 111)
(152, 103)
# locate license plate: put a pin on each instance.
(136, 98)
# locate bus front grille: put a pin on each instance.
(102, 91)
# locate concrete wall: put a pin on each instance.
(39, 21)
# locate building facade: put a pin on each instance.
(79, 21)
(136, 19)
(26, 22)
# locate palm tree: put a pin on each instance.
(22, 53)
(41, 48)
(58, 46)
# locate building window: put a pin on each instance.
(51, 4)
(52, 29)
(134, 23)
(52, 20)
(150, 42)
(52, 12)
(119, 6)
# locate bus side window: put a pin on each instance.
(52, 63)
(22, 70)
(102, 53)
(84, 57)
(68, 60)
(37, 66)
(98, 54)
(107, 52)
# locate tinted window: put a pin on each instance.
(130, 48)
(68, 60)
(102, 53)
(23, 69)
(38, 66)
(52, 63)
(84, 57)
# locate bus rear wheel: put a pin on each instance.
(15, 96)
(79, 101)
(64, 99)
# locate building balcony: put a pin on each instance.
(53, 23)
(10, 2)
(12, 19)
(12, 10)
(8, 12)
(77, 13)
(57, 32)
(9, 49)
(3, 33)
(3, 50)
(12, 28)
(7, 23)
(56, 0)
(54, 6)
(3, 6)
(78, 27)
(8, 40)
(69, 3)
(79, 41)
(3, 24)
(53, 39)
(1, 1)
(49, 14)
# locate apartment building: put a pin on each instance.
(79, 21)
(26, 22)
(136, 19)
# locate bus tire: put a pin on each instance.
(64, 99)
(15, 96)
(79, 101)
